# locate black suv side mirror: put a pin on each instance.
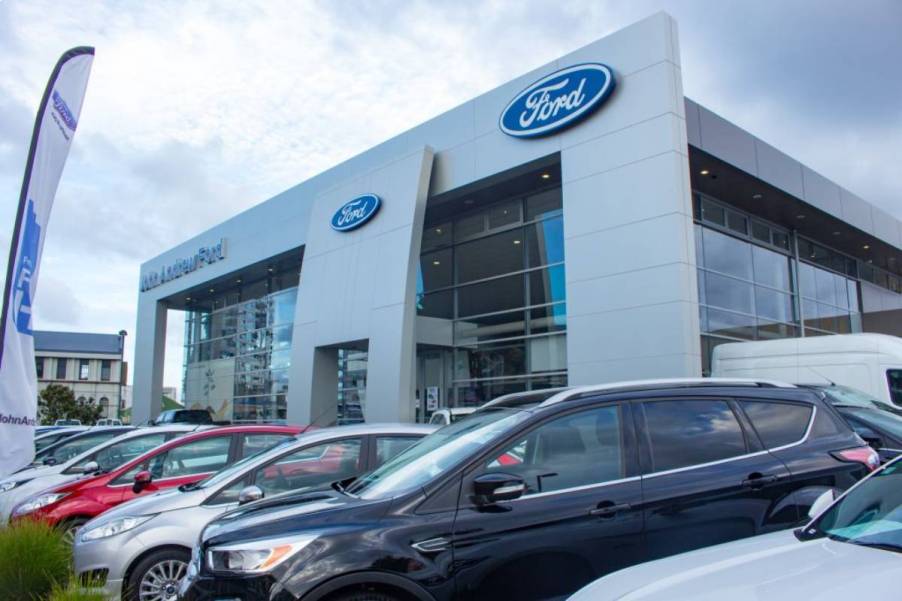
(496, 487)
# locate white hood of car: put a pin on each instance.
(773, 567)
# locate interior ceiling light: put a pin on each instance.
(438, 230)
(516, 242)
(757, 196)
(836, 233)
(436, 262)
(704, 172)
(546, 175)
(866, 247)
(212, 290)
(270, 270)
(800, 217)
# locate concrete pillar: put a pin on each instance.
(150, 351)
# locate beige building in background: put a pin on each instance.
(90, 365)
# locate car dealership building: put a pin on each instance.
(582, 223)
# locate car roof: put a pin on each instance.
(365, 429)
(552, 396)
(131, 433)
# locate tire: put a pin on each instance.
(69, 527)
(157, 576)
(365, 596)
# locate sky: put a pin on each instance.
(197, 111)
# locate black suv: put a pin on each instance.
(537, 494)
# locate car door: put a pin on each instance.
(186, 463)
(706, 479)
(580, 517)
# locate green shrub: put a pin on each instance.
(73, 593)
(33, 560)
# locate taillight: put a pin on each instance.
(866, 456)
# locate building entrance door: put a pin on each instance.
(433, 382)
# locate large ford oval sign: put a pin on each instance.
(557, 100)
(355, 213)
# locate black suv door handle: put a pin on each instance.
(607, 509)
(756, 480)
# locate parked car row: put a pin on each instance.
(532, 496)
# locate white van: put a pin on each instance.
(871, 363)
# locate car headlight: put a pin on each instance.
(8, 486)
(257, 556)
(114, 527)
(38, 502)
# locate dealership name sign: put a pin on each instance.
(557, 100)
(205, 255)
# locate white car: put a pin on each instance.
(851, 550)
(443, 417)
(106, 456)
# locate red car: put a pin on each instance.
(181, 461)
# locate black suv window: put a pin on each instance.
(685, 433)
(894, 379)
(778, 424)
(575, 450)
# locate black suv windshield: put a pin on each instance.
(843, 396)
(870, 514)
(436, 454)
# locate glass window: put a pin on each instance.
(474, 394)
(493, 360)
(773, 305)
(778, 424)
(729, 293)
(713, 213)
(437, 304)
(543, 204)
(737, 222)
(106, 367)
(807, 284)
(83, 369)
(552, 318)
(310, 467)
(894, 380)
(436, 269)
(545, 241)
(61, 368)
(39, 367)
(826, 287)
(727, 254)
(503, 214)
(760, 232)
(469, 226)
(490, 327)
(124, 451)
(488, 297)
(389, 447)
(437, 235)
(686, 433)
(197, 457)
(734, 325)
(251, 444)
(771, 269)
(547, 353)
(575, 450)
(493, 255)
(547, 286)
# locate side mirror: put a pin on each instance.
(496, 487)
(821, 503)
(90, 467)
(872, 438)
(249, 494)
(142, 480)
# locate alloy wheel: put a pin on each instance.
(161, 581)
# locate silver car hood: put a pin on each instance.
(160, 502)
(773, 567)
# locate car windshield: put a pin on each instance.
(71, 448)
(849, 397)
(879, 420)
(226, 474)
(870, 514)
(436, 454)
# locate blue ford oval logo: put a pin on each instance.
(355, 213)
(557, 100)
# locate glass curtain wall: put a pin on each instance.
(352, 364)
(237, 358)
(497, 274)
(751, 287)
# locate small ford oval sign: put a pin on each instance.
(557, 100)
(355, 213)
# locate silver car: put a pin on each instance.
(139, 551)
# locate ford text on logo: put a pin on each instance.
(355, 213)
(557, 100)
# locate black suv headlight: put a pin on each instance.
(257, 556)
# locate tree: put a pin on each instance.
(58, 402)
